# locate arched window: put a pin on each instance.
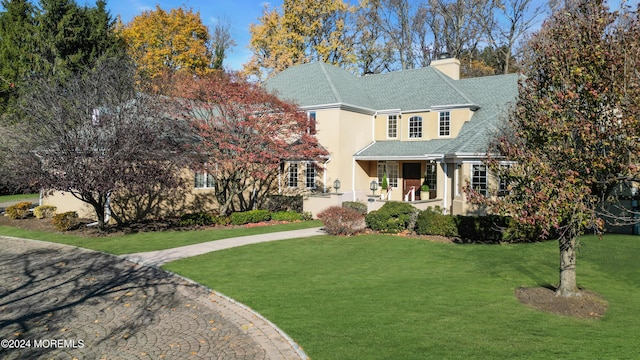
(415, 127)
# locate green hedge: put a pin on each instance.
(434, 222)
(253, 216)
(393, 217)
(276, 203)
(485, 229)
(287, 216)
(198, 219)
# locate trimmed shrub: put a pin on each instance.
(277, 203)
(357, 206)
(65, 221)
(198, 219)
(286, 216)
(252, 216)
(433, 222)
(19, 210)
(393, 217)
(44, 211)
(339, 220)
(487, 228)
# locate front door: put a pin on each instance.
(411, 173)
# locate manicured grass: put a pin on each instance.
(150, 241)
(19, 197)
(386, 297)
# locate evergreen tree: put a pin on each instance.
(16, 25)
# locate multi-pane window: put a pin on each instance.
(415, 127)
(311, 122)
(503, 184)
(391, 169)
(310, 176)
(392, 126)
(444, 125)
(431, 175)
(292, 176)
(479, 179)
(203, 180)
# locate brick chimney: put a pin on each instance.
(447, 65)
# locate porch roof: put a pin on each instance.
(402, 150)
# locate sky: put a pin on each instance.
(239, 14)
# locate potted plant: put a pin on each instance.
(385, 182)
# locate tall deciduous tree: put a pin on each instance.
(305, 30)
(511, 21)
(245, 134)
(374, 53)
(573, 135)
(221, 43)
(96, 135)
(175, 41)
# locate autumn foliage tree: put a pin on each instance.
(160, 41)
(572, 138)
(244, 134)
(304, 31)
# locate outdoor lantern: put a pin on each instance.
(373, 186)
(336, 185)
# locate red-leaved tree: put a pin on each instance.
(244, 134)
(573, 137)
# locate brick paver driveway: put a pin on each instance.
(61, 302)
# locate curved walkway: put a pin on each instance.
(160, 257)
(65, 302)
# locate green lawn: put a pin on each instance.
(150, 241)
(386, 297)
(19, 197)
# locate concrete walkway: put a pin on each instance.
(59, 301)
(157, 258)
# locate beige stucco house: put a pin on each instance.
(421, 126)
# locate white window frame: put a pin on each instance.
(393, 117)
(480, 182)
(310, 176)
(293, 175)
(203, 180)
(431, 178)
(444, 124)
(391, 168)
(415, 127)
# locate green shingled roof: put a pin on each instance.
(318, 84)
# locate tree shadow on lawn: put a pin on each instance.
(66, 293)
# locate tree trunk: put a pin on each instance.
(568, 286)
